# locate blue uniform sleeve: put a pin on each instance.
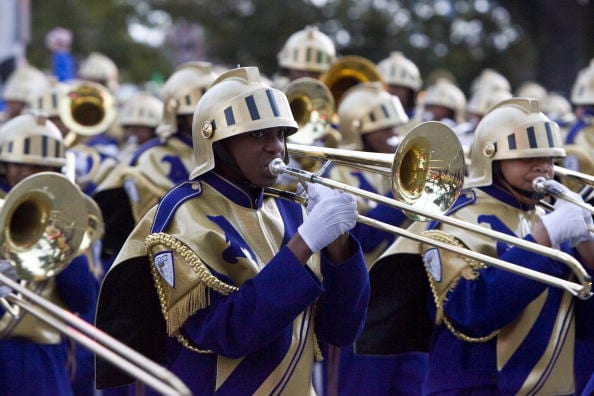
(497, 296)
(77, 286)
(266, 305)
(342, 309)
(245, 321)
(584, 310)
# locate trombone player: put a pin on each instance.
(493, 331)
(34, 356)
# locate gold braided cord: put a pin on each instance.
(206, 278)
(474, 265)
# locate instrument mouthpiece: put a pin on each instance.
(276, 166)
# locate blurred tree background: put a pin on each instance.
(543, 40)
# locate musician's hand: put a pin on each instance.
(316, 193)
(330, 218)
(568, 222)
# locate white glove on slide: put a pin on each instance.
(568, 222)
(329, 218)
(316, 193)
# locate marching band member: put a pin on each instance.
(582, 97)
(35, 358)
(158, 164)
(445, 102)
(480, 102)
(580, 143)
(370, 119)
(242, 300)
(495, 331)
(139, 118)
(306, 53)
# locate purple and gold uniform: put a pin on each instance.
(206, 283)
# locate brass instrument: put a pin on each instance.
(348, 71)
(42, 222)
(86, 109)
(581, 177)
(556, 189)
(312, 105)
(428, 181)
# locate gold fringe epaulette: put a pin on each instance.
(197, 298)
(470, 272)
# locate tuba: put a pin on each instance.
(312, 105)
(348, 71)
(87, 109)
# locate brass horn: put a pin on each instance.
(87, 108)
(312, 105)
(429, 181)
(348, 71)
(42, 222)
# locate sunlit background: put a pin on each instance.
(542, 40)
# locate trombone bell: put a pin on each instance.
(428, 169)
(87, 108)
(42, 224)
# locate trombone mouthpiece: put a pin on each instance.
(276, 167)
(550, 186)
(538, 184)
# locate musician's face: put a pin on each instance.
(17, 172)
(520, 172)
(381, 141)
(253, 151)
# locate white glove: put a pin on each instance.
(568, 222)
(329, 218)
(316, 193)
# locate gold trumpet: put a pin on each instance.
(427, 174)
(42, 223)
(348, 71)
(87, 108)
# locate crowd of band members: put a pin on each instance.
(177, 162)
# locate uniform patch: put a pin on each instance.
(164, 264)
(433, 263)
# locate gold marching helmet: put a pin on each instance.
(237, 102)
(31, 139)
(490, 79)
(182, 91)
(582, 92)
(143, 109)
(514, 128)
(22, 82)
(446, 94)
(308, 50)
(98, 68)
(348, 71)
(366, 108)
(400, 71)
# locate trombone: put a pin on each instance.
(42, 222)
(425, 177)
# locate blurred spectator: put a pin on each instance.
(58, 41)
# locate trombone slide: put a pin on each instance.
(582, 290)
(105, 346)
